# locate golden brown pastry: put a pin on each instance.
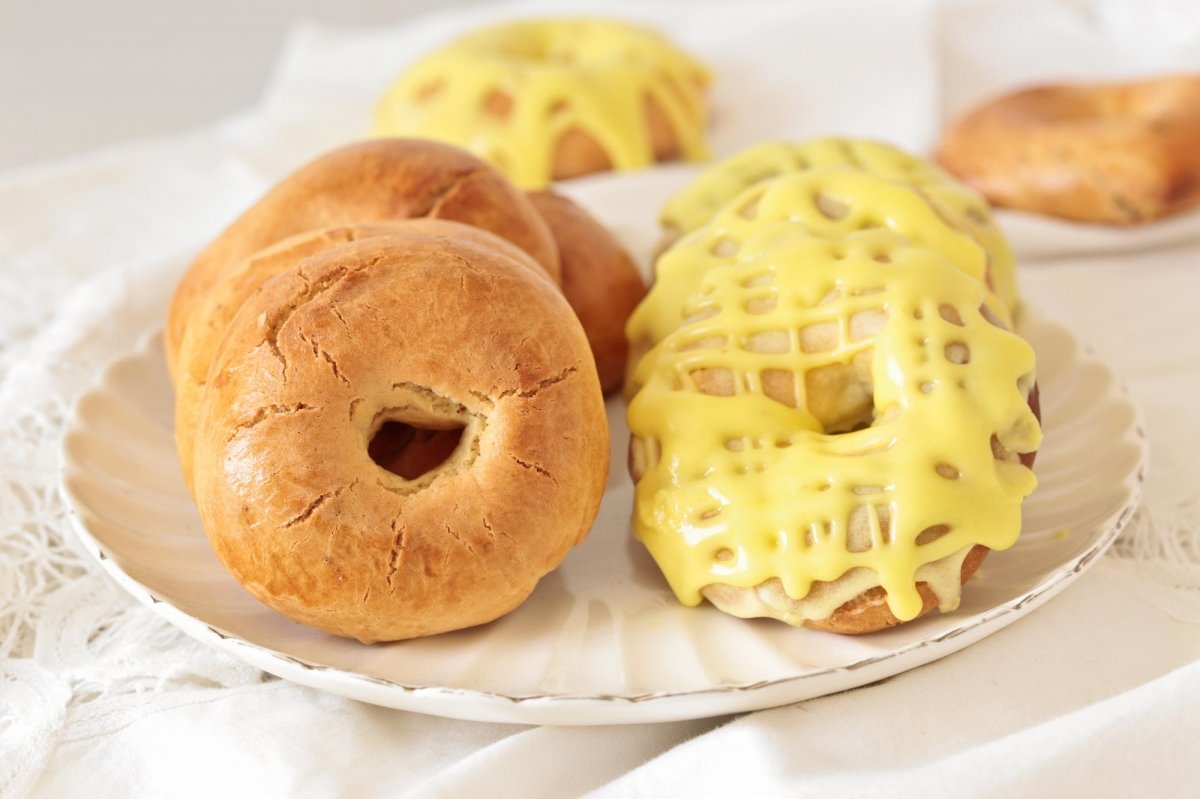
(1118, 154)
(400, 436)
(386, 179)
(599, 279)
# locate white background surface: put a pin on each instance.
(76, 74)
(1096, 694)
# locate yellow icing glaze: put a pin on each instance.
(590, 75)
(961, 206)
(828, 201)
(738, 489)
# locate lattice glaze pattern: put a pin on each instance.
(832, 406)
(529, 96)
(964, 208)
(832, 202)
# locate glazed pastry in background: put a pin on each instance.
(962, 207)
(1115, 153)
(386, 179)
(400, 436)
(599, 280)
(553, 99)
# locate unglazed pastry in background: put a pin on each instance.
(400, 436)
(961, 207)
(1116, 153)
(386, 179)
(599, 280)
(553, 99)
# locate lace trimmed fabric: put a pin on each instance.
(77, 655)
(81, 242)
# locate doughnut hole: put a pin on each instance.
(419, 435)
(841, 395)
(411, 451)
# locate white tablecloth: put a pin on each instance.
(1098, 693)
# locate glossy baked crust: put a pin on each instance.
(435, 332)
(214, 310)
(1118, 154)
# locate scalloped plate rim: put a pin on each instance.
(495, 706)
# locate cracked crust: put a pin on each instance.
(462, 335)
(1119, 154)
(215, 309)
(599, 279)
(378, 180)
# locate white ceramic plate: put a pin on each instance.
(601, 641)
(1033, 236)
